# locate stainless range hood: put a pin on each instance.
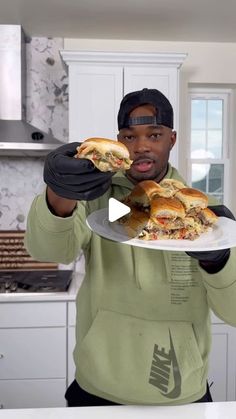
(17, 137)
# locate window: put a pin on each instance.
(209, 141)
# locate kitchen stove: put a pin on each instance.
(35, 281)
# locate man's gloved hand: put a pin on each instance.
(214, 261)
(72, 178)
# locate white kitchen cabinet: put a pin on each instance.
(18, 394)
(163, 78)
(71, 341)
(99, 80)
(32, 314)
(222, 372)
(94, 95)
(33, 353)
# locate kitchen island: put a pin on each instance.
(226, 410)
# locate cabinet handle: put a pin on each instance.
(1, 356)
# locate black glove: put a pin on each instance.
(72, 178)
(213, 261)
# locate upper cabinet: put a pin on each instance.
(99, 80)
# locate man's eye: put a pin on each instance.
(155, 135)
(129, 138)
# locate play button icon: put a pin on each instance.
(116, 209)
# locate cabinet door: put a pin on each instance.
(95, 93)
(71, 341)
(33, 353)
(222, 363)
(32, 314)
(162, 78)
(18, 394)
(71, 347)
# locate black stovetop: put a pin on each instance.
(35, 281)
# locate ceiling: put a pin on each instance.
(161, 20)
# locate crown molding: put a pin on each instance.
(131, 58)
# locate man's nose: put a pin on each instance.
(141, 145)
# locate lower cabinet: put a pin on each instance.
(33, 354)
(71, 341)
(222, 370)
(19, 394)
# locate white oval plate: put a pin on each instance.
(221, 236)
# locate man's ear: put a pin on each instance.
(173, 138)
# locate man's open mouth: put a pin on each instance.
(143, 165)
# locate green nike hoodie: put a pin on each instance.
(143, 333)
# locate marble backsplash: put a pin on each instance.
(47, 87)
(47, 109)
(21, 181)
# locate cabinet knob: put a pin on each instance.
(1, 356)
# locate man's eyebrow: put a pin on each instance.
(156, 126)
(132, 128)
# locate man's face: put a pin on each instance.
(149, 147)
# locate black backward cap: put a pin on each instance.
(164, 115)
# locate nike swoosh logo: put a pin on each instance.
(173, 394)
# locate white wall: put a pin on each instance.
(206, 62)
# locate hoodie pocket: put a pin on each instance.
(141, 361)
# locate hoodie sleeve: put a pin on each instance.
(221, 290)
(52, 238)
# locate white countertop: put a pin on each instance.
(69, 295)
(220, 410)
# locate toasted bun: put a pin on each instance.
(166, 208)
(136, 222)
(106, 154)
(143, 192)
(192, 198)
(172, 185)
(207, 216)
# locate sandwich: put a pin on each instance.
(166, 219)
(172, 186)
(106, 155)
(207, 217)
(135, 222)
(168, 213)
(192, 199)
(183, 216)
(141, 195)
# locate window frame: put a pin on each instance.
(225, 94)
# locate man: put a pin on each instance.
(143, 331)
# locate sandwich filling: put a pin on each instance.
(106, 155)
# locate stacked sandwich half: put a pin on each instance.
(168, 210)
